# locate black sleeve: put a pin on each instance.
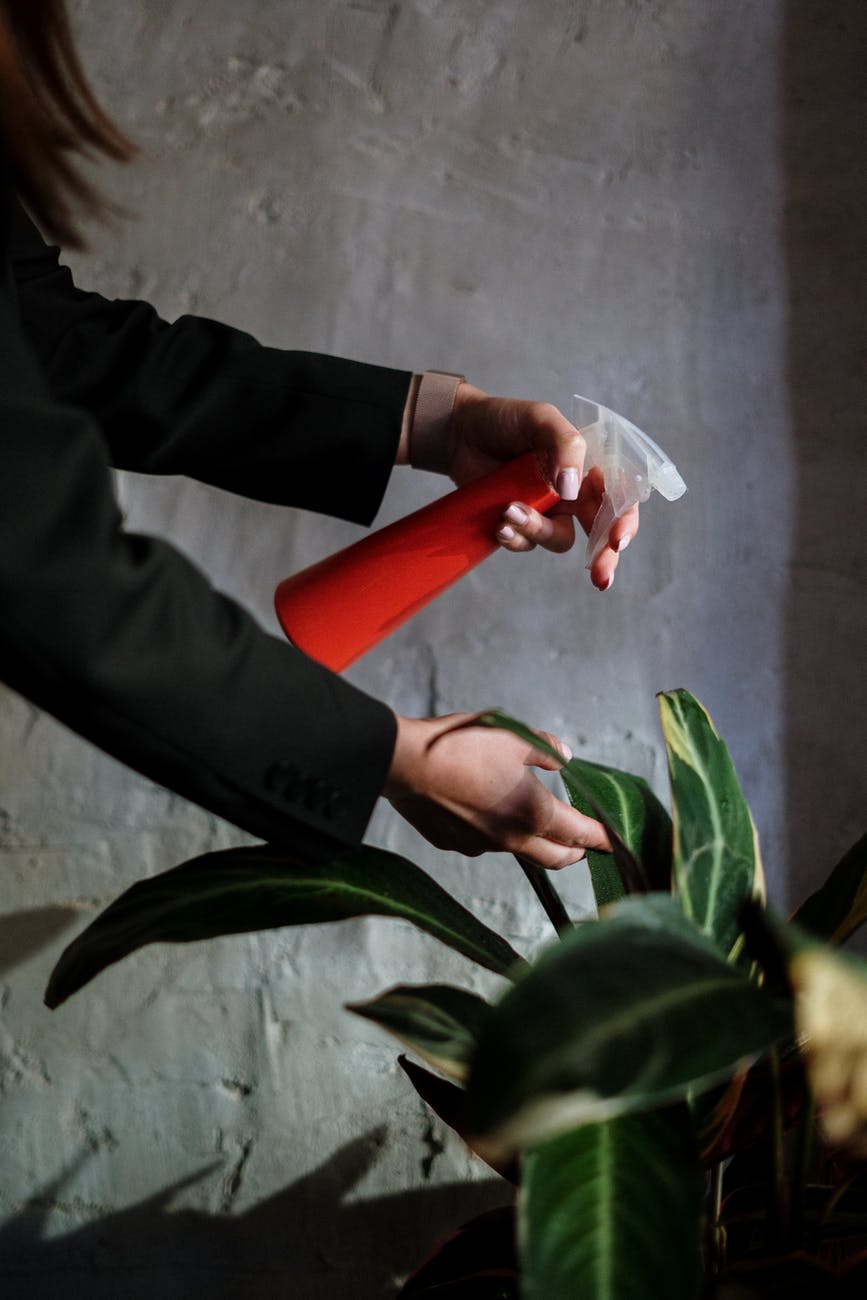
(125, 641)
(202, 399)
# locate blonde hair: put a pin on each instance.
(50, 119)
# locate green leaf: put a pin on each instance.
(489, 1284)
(717, 865)
(739, 1114)
(636, 814)
(440, 1023)
(449, 1102)
(623, 873)
(627, 1013)
(445, 1099)
(839, 908)
(239, 890)
(613, 1211)
(478, 1262)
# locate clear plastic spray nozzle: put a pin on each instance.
(631, 463)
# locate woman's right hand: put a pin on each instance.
(472, 789)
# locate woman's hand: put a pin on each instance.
(472, 789)
(484, 432)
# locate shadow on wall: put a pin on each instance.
(304, 1243)
(825, 82)
(23, 934)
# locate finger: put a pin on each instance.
(554, 534)
(590, 498)
(587, 506)
(602, 570)
(567, 837)
(538, 758)
(553, 857)
(553, 434)
(511, 540)
(572, 829)
(605, 565)
(623, 530)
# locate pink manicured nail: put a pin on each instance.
(623, 543)
(517, 514)
(568, 484)
(566, 750)
(505, 533)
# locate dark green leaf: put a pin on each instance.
(741, 1113)
(613, 1211)
(445, 1099)
(262, 888)
(540, 882)
(716, 853)
(636, 814)
(628, 874)
(490, 1284)
(480, 1255)
(625, 1014)
(449, 1102)
(440, 1023)
(839, 908)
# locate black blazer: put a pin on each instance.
(117, 634)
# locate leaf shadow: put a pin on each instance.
(23, 934)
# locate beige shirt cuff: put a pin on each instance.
(429, 410)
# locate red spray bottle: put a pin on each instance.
(338, 609)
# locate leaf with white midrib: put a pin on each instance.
(437, 1021)
(640, 820)
(612, 1211)
(637, 824)
(237, 891)
(613, 1019)
(717, 865)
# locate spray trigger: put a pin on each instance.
(631, 462)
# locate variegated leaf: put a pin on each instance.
(717, 864)
(440, 1023)
(613, 1211)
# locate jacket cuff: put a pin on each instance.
(430, 412)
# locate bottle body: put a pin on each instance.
(338, 609)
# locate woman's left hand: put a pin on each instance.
(485, 431)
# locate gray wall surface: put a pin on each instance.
(655, 202)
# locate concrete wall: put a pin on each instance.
(651, 202)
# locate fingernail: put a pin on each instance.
(607, 584)
(517, 514)
(567, 484)
(505, 533)
(623, 543)
(566, 751)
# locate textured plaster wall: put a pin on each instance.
(651, 202)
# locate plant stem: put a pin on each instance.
(801, 1173)
(717, 1231)
(776, 1207)
(546, 894)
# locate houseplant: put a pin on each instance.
(651, 1083)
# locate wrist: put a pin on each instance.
(425, 441)
(408, 746)
(402, 457)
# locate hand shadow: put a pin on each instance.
(306, 1242)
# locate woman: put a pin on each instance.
(117, 634)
